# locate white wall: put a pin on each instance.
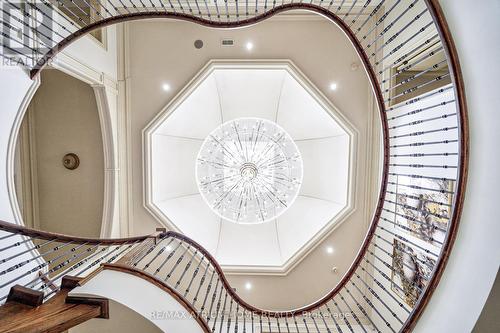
(142, 297)
(467, 280)
(121, 319)
(14, 86)
(99, 57)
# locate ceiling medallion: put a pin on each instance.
(249, 170)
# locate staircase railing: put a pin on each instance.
(189, 270)
(410, 60)
(39, 260)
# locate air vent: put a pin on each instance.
(227, 42)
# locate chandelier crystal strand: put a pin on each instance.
(249, 170)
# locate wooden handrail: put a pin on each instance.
(235, 296)
(163, 286)
(436, 13)
(459, 88)
(22, 230)
(246, 22)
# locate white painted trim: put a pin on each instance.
(110, 167)
(75, 68)
(100, 82)
(81, 71)
(124, 134)
(307, 85)
(11, 150)
(26, 148)
(10, 164)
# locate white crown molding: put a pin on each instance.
(307, 85)
(111, 169)
(78, 69)
(124, 125)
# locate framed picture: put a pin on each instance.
(423, 207)
(411, 272)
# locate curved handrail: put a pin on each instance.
(22, 230)
(444, 36)
(39, 259)
(231, 291)
(234, 295)
(459, 89)
(246, 22)
(163, 286)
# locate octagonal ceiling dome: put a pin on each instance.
(274, 91)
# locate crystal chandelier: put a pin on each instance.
(249, 170)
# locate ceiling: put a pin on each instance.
(155, 56)
(276, 91)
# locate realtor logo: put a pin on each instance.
(27, 31)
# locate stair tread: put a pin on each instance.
(55, 315)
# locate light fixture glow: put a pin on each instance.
(249, 46)
(249, 170)
(333, 86)
(248, 286)
(168, 248)
(165, 87)
(329, 250)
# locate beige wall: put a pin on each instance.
(488, 321)
(64, 118)
(162, 51)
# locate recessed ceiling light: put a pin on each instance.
(333, 86)
(248, 286)
(329, 250)
(249, 46)
(168, 248)
(165, 87)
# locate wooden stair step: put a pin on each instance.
(57, 314)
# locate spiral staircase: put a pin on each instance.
(425, 142)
